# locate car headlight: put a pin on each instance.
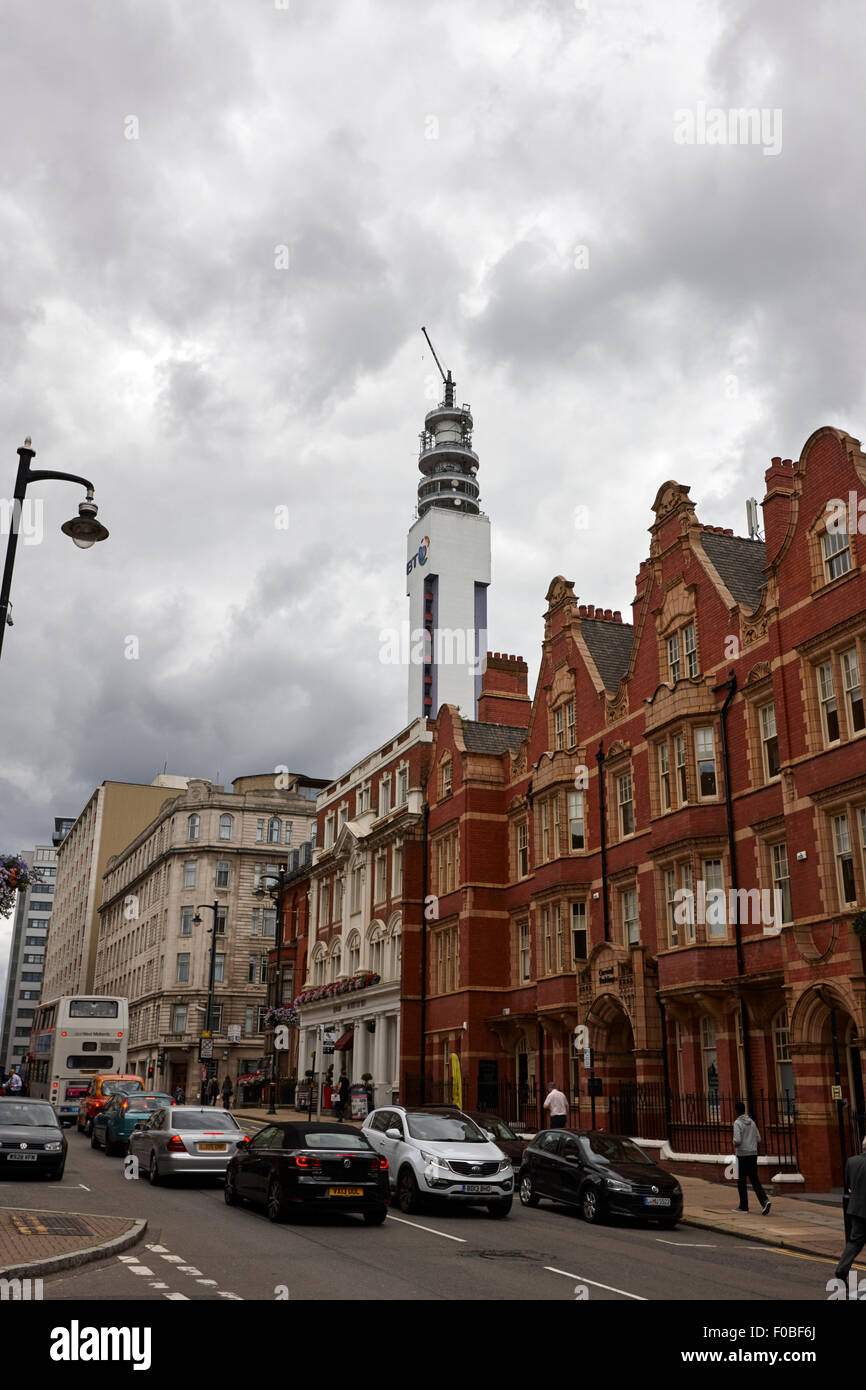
(54, 1146)
(505, 1166)
(616, 1185)
(676, 1190)
(436, 1160)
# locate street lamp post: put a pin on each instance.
(84, 529)
(214, 908)
(275, 893)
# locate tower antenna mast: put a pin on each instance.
(435, 358)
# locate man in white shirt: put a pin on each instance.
(13, 1085)
(556, 1106)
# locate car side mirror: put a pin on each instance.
(490, 1134)
(393, 1133)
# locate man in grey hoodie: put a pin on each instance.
(746, 1141)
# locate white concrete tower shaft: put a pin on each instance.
(447, 567)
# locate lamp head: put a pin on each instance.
(84, 529)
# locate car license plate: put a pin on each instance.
(345, 1191)
(213, 1148)
(21, 1158)
(474, 1187)
(656, 1201)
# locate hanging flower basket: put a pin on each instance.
(362, 980)
(858, 924)
(16, 876)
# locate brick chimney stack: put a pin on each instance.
(504, 697)
(779, 478)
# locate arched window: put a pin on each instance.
(227, 824)
(274, 831)
(319, 966)
(335, 961)
(193, 824)
(396, 953)
(354, 953)
(377, 949)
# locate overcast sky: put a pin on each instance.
(222, 225)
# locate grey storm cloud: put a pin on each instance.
(221, 228)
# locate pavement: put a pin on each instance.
(36, 1242)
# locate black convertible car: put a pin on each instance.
(603, 1174)
(291, 1166)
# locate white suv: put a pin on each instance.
(440, 1153)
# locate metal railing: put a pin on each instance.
(703, 1124)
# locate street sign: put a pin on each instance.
(205, 1051)
(587, 1057)
(836, 1092)
(206, 1032)
(328, 1041)
(234, 1032)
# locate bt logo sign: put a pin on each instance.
(421, 557)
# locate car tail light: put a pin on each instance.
(125, 1105)
(306, 1161)
(379, 1164)
(176, 1143)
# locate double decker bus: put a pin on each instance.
(75, 1038)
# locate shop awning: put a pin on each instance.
(344, 1041)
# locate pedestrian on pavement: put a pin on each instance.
(556, 1105)
(855, 1192)
(13, 1085)
(342, 1097)
(746, 1140)
(179, 1094)
(213, 1091)
(227, 1093)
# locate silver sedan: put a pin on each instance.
(186, 1139)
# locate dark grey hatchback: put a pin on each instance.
(603, 1174)
(31, 1140)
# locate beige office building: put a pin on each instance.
(114, 815)
(208, 847)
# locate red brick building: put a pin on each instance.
(666, 845)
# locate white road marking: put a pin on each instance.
(415, 1226)
(86, 1189)
(188, 1269)
(158, 1249)
(582, 1279)
(686, 1244)
(211, 1282)
(235, 1296)
(175, 1259)
(139, 1269)
(155, 1284)
(176, 1296)
(128, 1259)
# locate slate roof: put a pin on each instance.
(491, 738)
(740, 563)
(610, 647)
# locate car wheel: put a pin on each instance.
(277, 1206)
(376, 1217)
(230, 1192)
(590, 1204)
(88, 1127)
(94, 1141)
(153, 1172)
(501, 1208)
(408, 1196)
(528, 1195)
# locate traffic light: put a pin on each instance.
(150, 1072)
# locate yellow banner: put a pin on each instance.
(456, 1082)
